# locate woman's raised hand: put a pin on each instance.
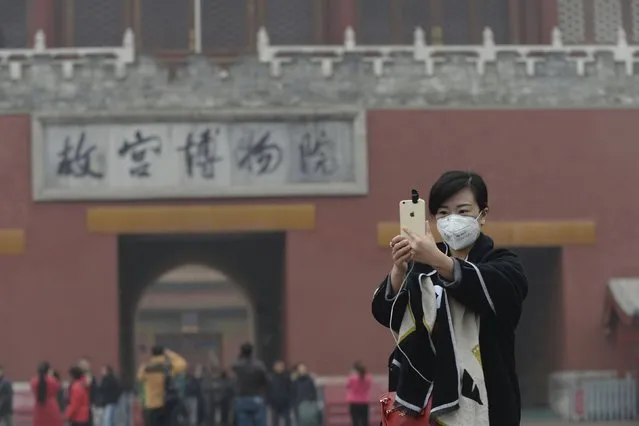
(401, 253)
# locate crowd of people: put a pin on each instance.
(171, 394)
(242, 396)
(76, 404)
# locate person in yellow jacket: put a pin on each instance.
(155, 376)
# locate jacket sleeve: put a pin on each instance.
(141, 376)
(349, 383)
(383, 300)
(116, 387)
(94, 393)
(314, 392)
(53, 386)
(263, 374)
(75, 402)
(178, 364)
(269, 389)
(496, 286)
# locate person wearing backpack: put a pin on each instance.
(279, 394)
(157, 377)
(305, 398)
(251, 383)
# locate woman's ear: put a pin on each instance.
(483, 214)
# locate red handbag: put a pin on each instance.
(395, 416)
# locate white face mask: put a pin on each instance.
(458, 231)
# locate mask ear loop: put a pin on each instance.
(390, 325)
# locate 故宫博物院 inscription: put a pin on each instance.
(216, 155)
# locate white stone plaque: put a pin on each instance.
(180, 155)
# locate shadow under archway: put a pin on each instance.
(253, 261)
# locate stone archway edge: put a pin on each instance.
(200, 218)
(518, 233)
(12, 241)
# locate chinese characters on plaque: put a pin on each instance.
(215, 159)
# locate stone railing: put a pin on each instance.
(69, 57)
(479, 55)
(327, 56)
(413, 75)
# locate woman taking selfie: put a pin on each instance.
(453, 308)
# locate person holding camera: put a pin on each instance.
(157, 375)
(453, 308)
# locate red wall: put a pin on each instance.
(59, 299)
(539, 165)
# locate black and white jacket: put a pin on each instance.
(488, 290)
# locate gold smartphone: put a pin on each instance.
(412, 216)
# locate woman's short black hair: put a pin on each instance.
(450, 183)
(246, 350)
(76, 373)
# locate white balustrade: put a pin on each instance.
(68, 57)
(326, 56)
(430, 55)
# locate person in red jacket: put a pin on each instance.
(45, 389)
(78, 410)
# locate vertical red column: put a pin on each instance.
(41, 17)
(531, 33)
(514, 20)
(549, 19)
(341, 15)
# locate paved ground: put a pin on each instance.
(563, 423)
(28, 422)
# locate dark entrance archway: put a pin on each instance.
(538, 336)
(253, 261)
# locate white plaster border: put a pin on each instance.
(359, 187)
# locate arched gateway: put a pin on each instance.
(253, 261)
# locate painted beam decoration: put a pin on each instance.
(231, 154)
